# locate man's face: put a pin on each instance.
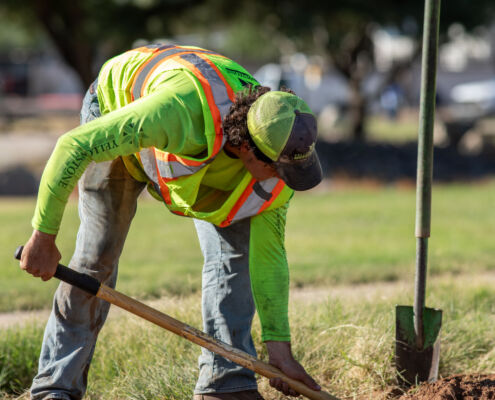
(259, 169)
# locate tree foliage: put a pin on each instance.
(86, 32)
(341, 30)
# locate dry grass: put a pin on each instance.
(344, 336)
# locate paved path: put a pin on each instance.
(21, 149)
(312, 295)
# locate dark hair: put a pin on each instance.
(235, 122)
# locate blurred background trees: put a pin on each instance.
(344, 33)
(87, 31)
(346, 37)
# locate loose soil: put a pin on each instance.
(457, 387)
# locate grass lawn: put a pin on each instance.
(352, 235)
(351, 254)
(344, 336)
(404, 129)
(379, 128)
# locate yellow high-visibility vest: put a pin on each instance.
(173, 175)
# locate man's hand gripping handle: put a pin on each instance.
(81, 281)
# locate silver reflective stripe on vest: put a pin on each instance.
(149, 163)
(160, 46)
(153, 61)
(218, 88)
(254, 202)
(148, 160)
(167, 169)
(175, 169)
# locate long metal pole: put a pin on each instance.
(425, 158)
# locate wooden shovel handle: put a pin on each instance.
(90, 284)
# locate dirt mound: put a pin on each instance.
(457, 387)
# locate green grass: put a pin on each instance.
(382, 129)
(344, 236)
(19, 350)
(357, 235)
(378, 128)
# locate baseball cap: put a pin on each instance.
(283, 127)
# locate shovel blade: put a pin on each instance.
(415, 365)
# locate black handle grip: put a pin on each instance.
(77, 279)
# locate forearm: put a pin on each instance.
(160, 120)
(269, 274)
(96, 141)
(271, 294)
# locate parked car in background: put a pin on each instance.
(469, 115)
(307, 77)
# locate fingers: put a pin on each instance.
(300, 374)
(304, 377)
(40, 256)
(44, 275)
(310, 382)
(292, 392)
(32, 266)
(283, 387)
(29, 269)
(295, 371)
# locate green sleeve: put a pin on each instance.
(160, 120)
(269, 273)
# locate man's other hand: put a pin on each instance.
(40, 256)
(280, 356)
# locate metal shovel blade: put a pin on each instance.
(415, 365)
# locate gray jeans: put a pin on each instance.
(107, 203)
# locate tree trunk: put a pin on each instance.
(355, 62)
(64, 22)
(357, 110)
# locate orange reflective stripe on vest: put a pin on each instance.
(218, 93)
(162, 167)
(162, 53)
(154, 167)
(257, 197)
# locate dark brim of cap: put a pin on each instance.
(301, 175)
